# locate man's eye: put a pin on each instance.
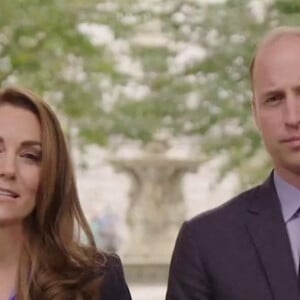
(273, 99)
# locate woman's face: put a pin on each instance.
(20, 160)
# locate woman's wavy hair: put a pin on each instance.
(55, 263)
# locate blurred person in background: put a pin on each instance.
(249, 248)
(41, 256)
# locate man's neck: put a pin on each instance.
(292, 178)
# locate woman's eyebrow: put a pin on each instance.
(30, 143)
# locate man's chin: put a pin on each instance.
(290, 166)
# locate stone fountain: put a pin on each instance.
(156, 209)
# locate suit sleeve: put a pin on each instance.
(188, 279)
(115, 286)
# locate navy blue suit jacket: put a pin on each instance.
(239, 251)
(114, 285)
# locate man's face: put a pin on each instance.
(276, 104)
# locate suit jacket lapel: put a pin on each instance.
(268, 231)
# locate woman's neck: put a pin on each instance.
(11, 241)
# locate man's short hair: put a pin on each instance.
(274, 35)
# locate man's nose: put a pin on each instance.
(7, 165)
(292, 113)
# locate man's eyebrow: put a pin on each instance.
(271, 92)
(296, 87)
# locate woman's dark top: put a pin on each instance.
(114, 285)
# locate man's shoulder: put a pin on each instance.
(232, 211)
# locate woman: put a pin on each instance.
(40, 214)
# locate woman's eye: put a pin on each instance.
(31, 156)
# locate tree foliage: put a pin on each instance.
(117, 70)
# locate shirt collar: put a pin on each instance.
(289, 197)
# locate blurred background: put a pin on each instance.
(155, 100)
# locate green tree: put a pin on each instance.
(129, 69)
(193, 61)
(41, 48)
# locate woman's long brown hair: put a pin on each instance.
(55, 264)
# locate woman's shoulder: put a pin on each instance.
(114, 283)
(113, 261)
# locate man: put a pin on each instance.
(249, 248)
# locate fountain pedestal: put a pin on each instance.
(156, 209)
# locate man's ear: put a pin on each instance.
(254, 112)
